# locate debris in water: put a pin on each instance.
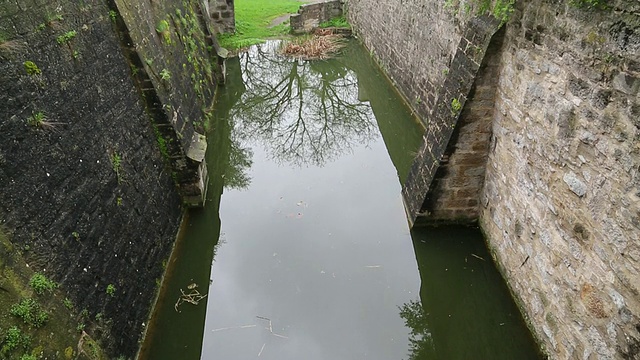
(270, 328)
(476, 256)
(234, 327)
(193, 297)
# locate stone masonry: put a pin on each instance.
(88, 193)
(441, 122)
(454, 194)
(309, 16)
(222, 13)
(560, 206)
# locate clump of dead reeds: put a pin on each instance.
(10, 46)
(313, 47)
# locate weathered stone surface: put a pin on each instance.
(566, 102)
(565, 182)
(222, 12)
(449, 128)
(309, 16)
(575, 184)
(88, 191)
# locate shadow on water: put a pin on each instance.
(178, 334)
(464, 310)
(317, 240)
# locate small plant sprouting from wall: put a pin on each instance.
(31, 68)
(456, 106)
(13, 339)
(116, 165)
(30, 312)
(165, 75)
(500, 9)
(67, 303)
(113, 15)
(111, 290)
(163, 28)
(42, 284)
(589, 4)
(37, 119)
(66, 37)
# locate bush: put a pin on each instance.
(13, 339)
(41, 284)
(30, 312)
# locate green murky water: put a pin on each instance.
(307, 253)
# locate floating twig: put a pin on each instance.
(234, 327)
(477, 257)
(193, 298)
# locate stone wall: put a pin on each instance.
(454, 193)
(86, 190)
(173, 66)
(561, 202)
(561, 205)
(309, 16)
(414, 41)
(464, 173)
(222, 12)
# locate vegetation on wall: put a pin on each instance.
(339, 22)
(589, 4)
(36, 321)
(500, 9)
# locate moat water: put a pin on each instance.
(303, 250)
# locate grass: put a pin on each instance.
(116, 165)
(339, 22)
(253, 18)
(66, 37)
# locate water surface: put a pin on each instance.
(314, 258)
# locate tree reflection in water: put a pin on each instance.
(421, 345)
(305, 112)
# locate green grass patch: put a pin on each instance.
(253, 18)
(339, 22)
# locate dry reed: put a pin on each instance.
(313, 47)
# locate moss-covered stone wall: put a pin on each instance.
(100, 116)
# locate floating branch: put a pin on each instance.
(193, 297)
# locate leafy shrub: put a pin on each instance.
(41, 284)
(30, 312)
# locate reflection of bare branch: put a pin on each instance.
(307, 112)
